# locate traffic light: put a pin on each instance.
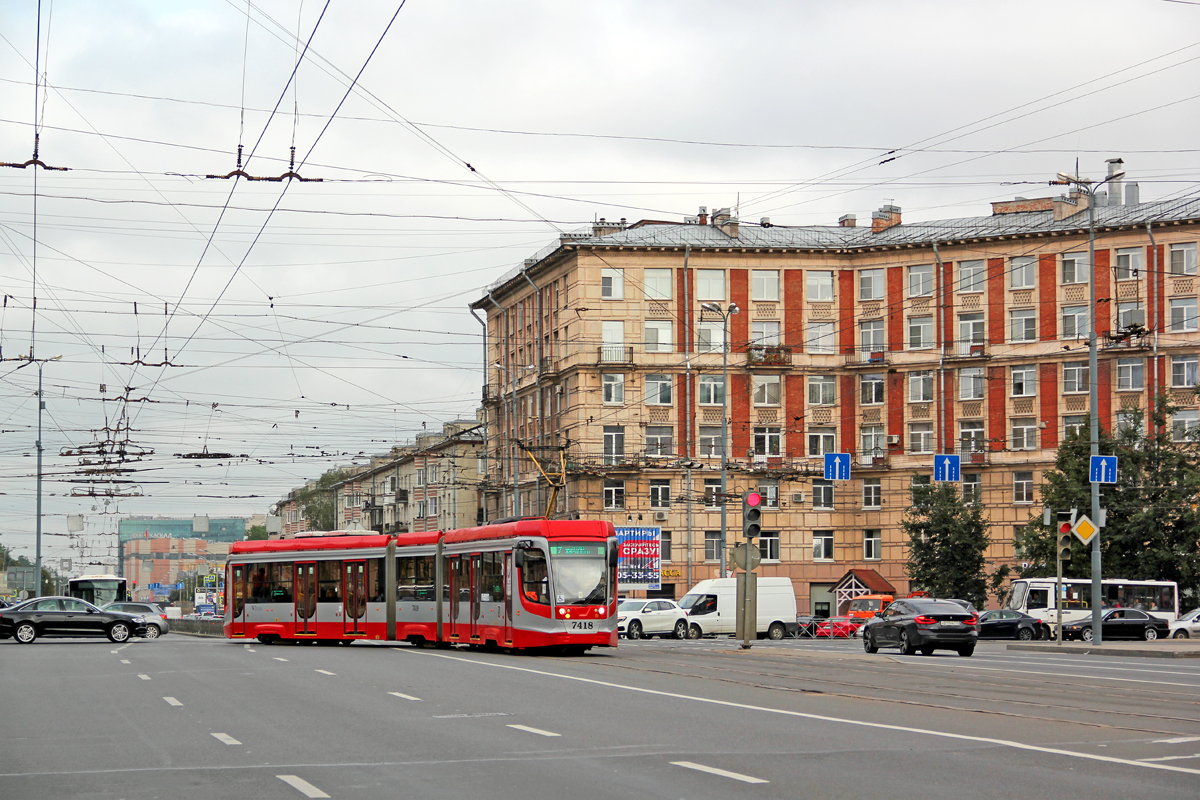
(751, 514)
(1066, 521)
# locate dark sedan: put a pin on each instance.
(1121, 623)
(67, 616)
(1005, 624)
(917, 624)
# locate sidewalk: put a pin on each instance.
(1162, 648)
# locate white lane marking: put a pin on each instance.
(277, 658)
(124, 660)
(802, 715)
(172, 701)
(538, 731)
(404, 696)
(1076, 666)
(114, 652)
(1178, 740)
(714, 771)
(305, 788)
(324, 672)
(144, 677)
(251, 650)
(122, 647)
(225, 738)
(957, 662)
(1170, 758)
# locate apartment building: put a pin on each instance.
(891, 342)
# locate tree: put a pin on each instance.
(947, 539)
(319, 504)
(256, 532)
(1152, 530)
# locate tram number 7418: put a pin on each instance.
(582, 625)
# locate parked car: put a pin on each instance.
(67, 616)
(806, 626)
(1187, 626)
(967, 604)
(838, 627)
(638, 618)
(711, 606)
(1005, 624)
(868, 605)
(1120, 623)
(155, 616)
(921, 624)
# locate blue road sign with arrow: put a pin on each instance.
(1103, 469)
(947, 468)
(837, 466)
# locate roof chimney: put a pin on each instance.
(703, 215)
(1115, 170)
(1022, 204)
(886, 217)
(603, 228)
(726, 222)
(1132, 195)
(847, 221)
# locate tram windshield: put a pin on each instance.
(580, 571)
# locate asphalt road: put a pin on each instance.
(193, 717)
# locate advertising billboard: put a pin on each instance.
(639, 558)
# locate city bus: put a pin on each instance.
(528, 583)
(99, 590)
(1035, 596)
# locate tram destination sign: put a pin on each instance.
(639, 558)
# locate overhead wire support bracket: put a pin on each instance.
(290, 175)
(35, 161)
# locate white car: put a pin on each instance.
(1187, 626)
(638, 618)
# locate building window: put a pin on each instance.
(822, 390)
(1075, 322)
(1022, 487)
(665, 540)
(712, 545)
(1127, 421)
(768, 545)
(1074, 268)
(710, 337)
(710, 284)
(659, 336)
(970, 331)
(711, 445)
(1024, 434)
(658, 390)
(970, 383)
(822, 494)
(1024, 381)
(1185, 371)
(873, 441)
(769, 489)
(1183, 314)
(767, 441)
(872, 544)
(872, 493)
(712, 493)
(1075, 377)
(1074, 425)
(660, 440)
(657, 284)
(972, 487)
(871, 388)
(1129, 263)
(920, 437)
(764, 284)
(1130, 374)
(765, 332)
(1021, 272)
(1183, 258)
(1184, 424)
(612, 340)
(921, 480)
(612, 284)
(819, 285)
(971, 436)
(712, 390)
(614, 444)
(1023, 324)
(920, 280)
(613, 387)
(872, 338)
(766, 389)
(822, 545)
(614, 493)
(972, 276)
(822, 441)
(660, 493)
(920, 386)
(819, 339)
(871, 284)
(920, 332)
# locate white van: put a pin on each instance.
(711, 606)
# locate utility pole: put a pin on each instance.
(724, 314)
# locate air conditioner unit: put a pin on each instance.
(798, 498)
(558, 389)
(660, 516)
(893, 438)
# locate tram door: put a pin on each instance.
(455, 565)
(476, 592)
(306, 599)
(354, 597)
(238, 606)
(509, 590)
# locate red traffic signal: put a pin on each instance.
(753, 499)
(1064, 527)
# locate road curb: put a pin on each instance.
(1148, 651)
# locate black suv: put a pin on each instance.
(924, 625)
(66, 616)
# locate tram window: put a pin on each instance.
(535, 583)
(259, 591)
(329, 579)
(492, 585)
(279, 585)
(414, 578)
(375, 591)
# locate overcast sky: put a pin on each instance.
(336, 325)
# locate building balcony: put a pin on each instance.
(768, 356)
(548, 367)
(614, 354)
(875, 459)
(868, 358)
(491, 395)
(968, 348)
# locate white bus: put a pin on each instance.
(99, 590)
(1035, 596)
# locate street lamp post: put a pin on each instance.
(725, 314)
(1088, 188)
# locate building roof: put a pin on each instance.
(868, 578)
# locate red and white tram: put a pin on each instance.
(521, 584)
